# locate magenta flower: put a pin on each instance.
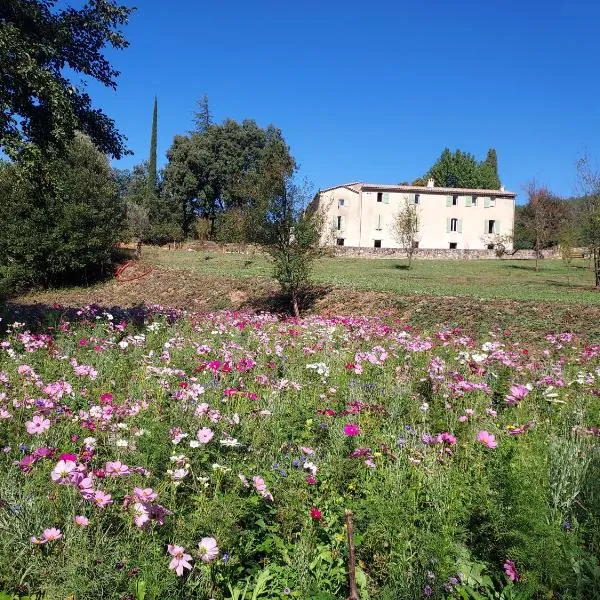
(511, 570)
(487, 439)
(208, 549)
(180, 560)
(81, 521)
(517, 393)
(140, 515)
(37, 425)
(204, 435)
(351, 429)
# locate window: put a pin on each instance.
(491, 226)
(417, 198)
(379, 196)
(473, 200)
(453, 245)
(340, 241)
(489, 202)
(415, 244)
(454, 200)
(492, 202)
(378, 223)
(341, 202)
(339, 222)
(377, 244)
(453, 224)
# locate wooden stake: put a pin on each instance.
(351, 560)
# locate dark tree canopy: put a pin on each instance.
(39, 105)
(220, 169)
(152, 173)
(461, 170)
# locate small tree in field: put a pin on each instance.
(291, 236)
(589, 183)
(405, 228)
(542, 217)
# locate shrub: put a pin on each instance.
(63, 231)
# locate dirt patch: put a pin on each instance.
(205, 293)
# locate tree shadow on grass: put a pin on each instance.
(401, 267)
(281, 303)
(42, 317)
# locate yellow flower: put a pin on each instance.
(376, 454)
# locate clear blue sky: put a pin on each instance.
(373, 91)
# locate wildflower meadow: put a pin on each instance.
(156, 454)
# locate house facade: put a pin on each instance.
(362, 215)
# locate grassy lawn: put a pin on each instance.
(490, 279)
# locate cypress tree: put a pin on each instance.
(152, 176)
(492, 160)
(202, 117)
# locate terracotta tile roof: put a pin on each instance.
(357, 186)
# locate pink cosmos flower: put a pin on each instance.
(208, 549)
(116, 468)
(307, 451)
(81, 520)
(102, 499)
(511, 570)
(141, 515)
(62, 471)
(204, 435)
(259, 484)
(487, 439)
(351, 429)
(50, 535)
(180, 560)
(37, 425)
(145, 495)
(517, 393)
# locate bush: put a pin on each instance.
(65, 231)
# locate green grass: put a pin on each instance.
(490, 279)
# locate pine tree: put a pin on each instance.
(492, 160)
(202, 117)
(152, 175)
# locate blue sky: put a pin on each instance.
(373, 91)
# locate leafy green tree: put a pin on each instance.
(212, 172)
(66, 236)
(152, 173)
(40, 108)
(461, 170)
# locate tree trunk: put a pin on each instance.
(295, 305)
(596, 252)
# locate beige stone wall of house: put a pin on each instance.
(362, 216)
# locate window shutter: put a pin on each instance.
(334, 222)
(459, 226)
(486, 203)
(448, 200)
(485, 226)
(496, 227)
(386, 198)
(447, 225)
(468, 200)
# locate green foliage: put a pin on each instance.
(461, 170)
(49, 237)
(219, 168)
(203, 118)
(152, 174)
(41, 108)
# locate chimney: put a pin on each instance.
(501, 188)
(430, 182)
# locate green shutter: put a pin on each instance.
(448, 200)
(386, 198)
(496, 227)
(486, 203)
(459, 226)
(468, 200)
(447, 225)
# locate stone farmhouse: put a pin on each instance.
(361, 215)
